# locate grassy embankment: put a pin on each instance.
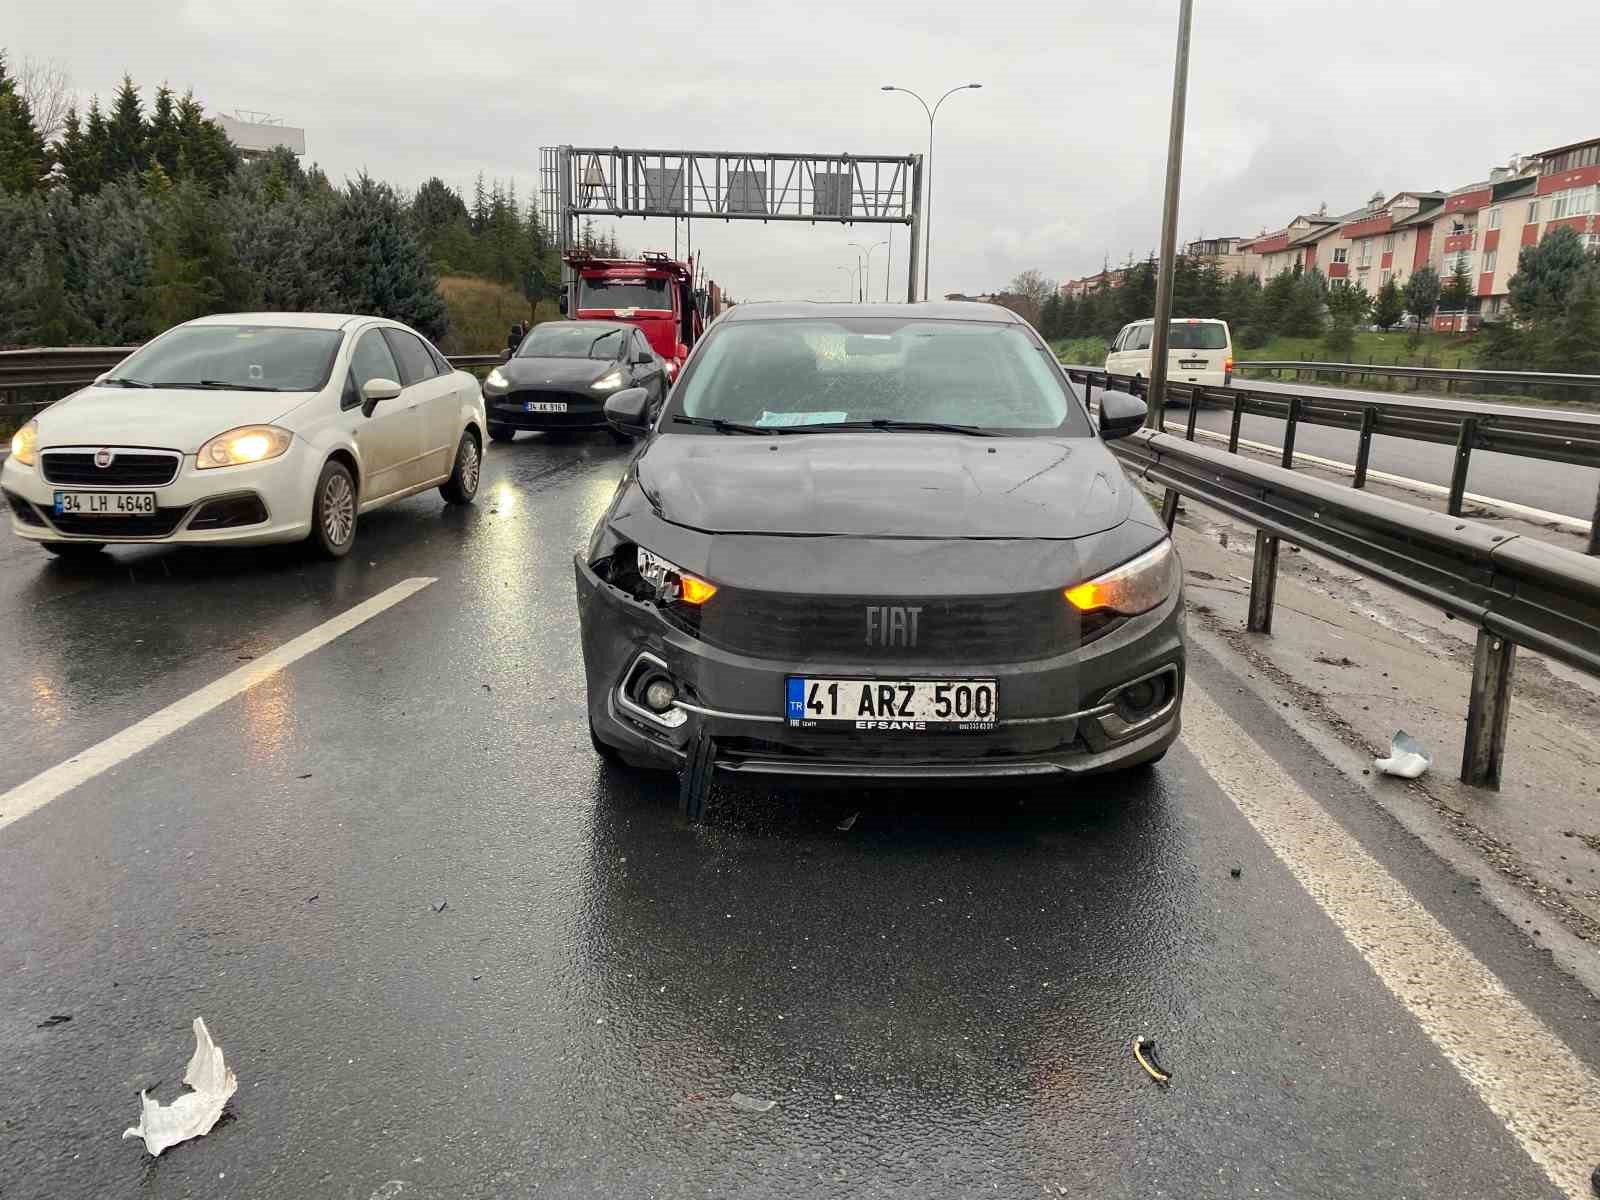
(482, 311)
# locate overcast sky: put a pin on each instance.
(1055, 164)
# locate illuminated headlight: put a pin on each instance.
(25, 444)
(496, 381)
(608, 383)
(248, 444)
(670, 581)
(1135, 587)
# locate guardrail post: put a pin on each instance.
(1493, 663)
(1369, 420)
(1594, 528)
(1169, 509)
(1194, 410)
(1233, 430)
(1263, 583)
(1289, 426)
(1458, 475)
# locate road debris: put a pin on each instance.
(53, 1020)
(751, 1104)
(1236, 872)
(193, 1113)
(1144, 1049)
(848, 823)
(440, 905)
(1407, 759)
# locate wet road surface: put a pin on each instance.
(940, 999)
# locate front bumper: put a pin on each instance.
(585, 410)
(282, 487)
(1057, 715)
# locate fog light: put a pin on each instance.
(1141, 695)
(659, 694)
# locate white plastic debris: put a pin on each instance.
(751, 1104)
(194, 1113)
(1407, 759)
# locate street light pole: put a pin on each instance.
(851, 273)
(927, 179)
(1157, 396)
(866, 270)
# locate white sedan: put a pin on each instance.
(248, 428)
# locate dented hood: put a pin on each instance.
(886, 484)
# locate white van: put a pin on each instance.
(1199, 350)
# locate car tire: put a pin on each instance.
(462, 486)
(502, 433)
(74, 550)
(694, 783)
(333, 511)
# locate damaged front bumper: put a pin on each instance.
(1064, 715)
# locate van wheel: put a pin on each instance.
(333, 511)
(462, 486)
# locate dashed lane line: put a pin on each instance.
(1520, 1068)
(60, 779)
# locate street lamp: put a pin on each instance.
(866, 271)
(850, 273)
(927, 183)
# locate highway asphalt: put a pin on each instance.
(449, 954)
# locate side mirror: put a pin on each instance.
(375, 391)
(642, 360)
(626, 412)
(562, 304)
(1120, 414)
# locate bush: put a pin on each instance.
(1340, 340)
(1251, 337)
(1082, 352)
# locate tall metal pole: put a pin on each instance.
(866, 270)
(927, 190)
(1169, 223)
(888, 270)
(916, 227)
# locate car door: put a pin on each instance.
(432, 397)
(647, 369)
(1114, 354)
(1137, 350)
(391, 438)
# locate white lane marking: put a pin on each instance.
(1511, 506)
(1519, 1067)
(63, 777)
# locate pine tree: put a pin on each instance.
(204, 151)
(1389, 306)
(1457, 290)
(95, 147)
(480, 206)
(381, 266)
(125, 133)
(164, 142)
(23, 156)
(1422, 294)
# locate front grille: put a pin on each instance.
(951, 630)
(139, 468)
(25, 511)
(160, 524)
(843, 746)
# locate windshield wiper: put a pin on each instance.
(914, 426)
(601, 338)
(215, 385)
(722, 426)
(125, 381)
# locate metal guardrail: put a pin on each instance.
(1518, 591)
(1572, 438)
(79, 366)
(1439, 374)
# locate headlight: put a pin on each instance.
(25, 444)
(608, 383)
(1135, 587)
(248, 444)
(670, 581)
(496, 382)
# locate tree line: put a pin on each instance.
(132, 219)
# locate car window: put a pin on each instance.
(416, 364)
(1123, 338)
(815, 373)
(439, 360)
(641, 347)
(370, 360)
(1141, 337)
(262, 358)
(573, 339)
(1197, 335)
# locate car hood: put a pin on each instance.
(555, 372)
(886, 485)
(165, 418)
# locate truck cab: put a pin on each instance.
(652, 291)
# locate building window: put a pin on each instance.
(1489, 259)
(1341, 254)
(1384, 279)
(1533, 212)
(1494, 218)
(1388, 244)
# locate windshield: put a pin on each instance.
(234, 357)
(571, 339)
(624, 293)
(1197, 335)
(811, 374)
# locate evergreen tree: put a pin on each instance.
(164, 142)
(1422, 294)
(1457, 290)
(193, 270)
(1546, 274)
(381, 266)
(1136, 298)
(204, 151)
(125, 133)
(1389, 306)
(95, 147)
(23, 157)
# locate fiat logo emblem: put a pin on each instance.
(103, 457)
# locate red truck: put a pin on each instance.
(652, 291)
